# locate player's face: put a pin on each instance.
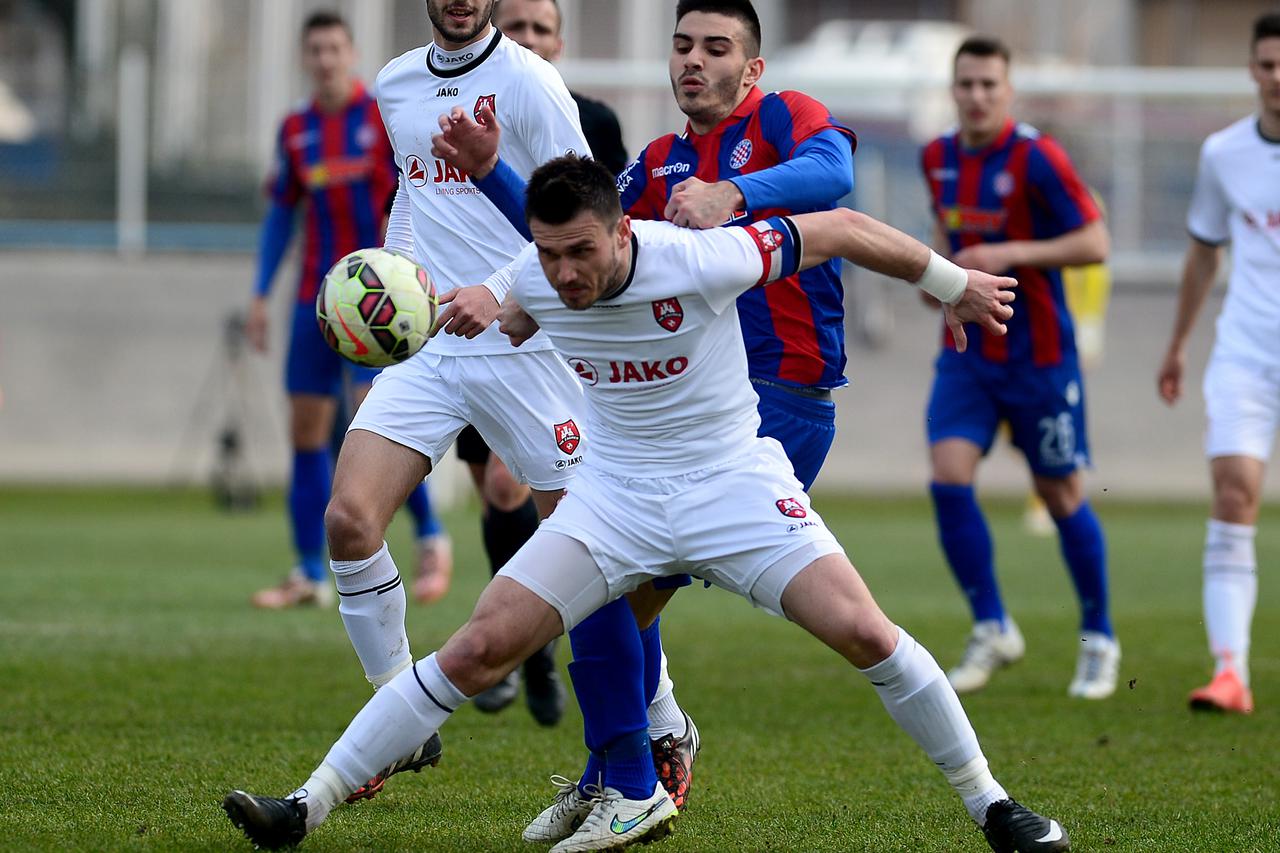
(585, 259)
(533, 24)
(458, 22)
(983, 95)
(1265, 68)
(710, 70)
(328, 55)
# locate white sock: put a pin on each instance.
(1230, 593)
(918, 696)
(665, 715)
(321, 794)
(372, 604)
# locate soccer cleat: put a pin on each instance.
(1227, 692)
(267, 821)
(673, 761)
(1014, 828)
(500, 695)
(616, 822)
(1097, 667)
(990, 647)
(435, 568)
(295, 591)
(563, 817)
(427, 755)
(543, 690)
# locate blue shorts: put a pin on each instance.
(1044, 407)
(311, 367)
(804, 426)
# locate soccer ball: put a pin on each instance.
(376, 307)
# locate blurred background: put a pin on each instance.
(135, 135)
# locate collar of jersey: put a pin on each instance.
(469, 66)
(1257, 126)
(991, 147)
(744, 109)
(631, 273)
(357, 93)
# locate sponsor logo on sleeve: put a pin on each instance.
(567, 437)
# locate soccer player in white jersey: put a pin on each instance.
(526, 405)
(677, 481)
(1236, 200)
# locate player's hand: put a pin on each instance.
(466, 145)
(985, 301)
(993, 258)
(470, 311)
(256, 324)
(1169, 379)
(515, 323)
(697, 204)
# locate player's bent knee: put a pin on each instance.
(353, 531)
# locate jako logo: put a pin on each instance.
(646, 371)
(671, 169)
(455, 60)
(447, 92)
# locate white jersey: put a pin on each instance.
(1237, 199)
(457, 234)
(662, 361)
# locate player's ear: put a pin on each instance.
(754, 71)
(623, 232)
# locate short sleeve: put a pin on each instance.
(790, 118)
(1058, 187)
(548, 118)
(1209, 218)
(283, 185)
(727, 262)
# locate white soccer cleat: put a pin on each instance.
(990, 647)
(1097, 667)
(616, 822)
(563, 817)
(295, 591)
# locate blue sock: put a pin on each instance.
(424, 520)
(967, 543)
(308, 495)
(607, 673)
(1085, 550)
(651, 641)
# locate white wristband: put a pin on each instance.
(943, 280)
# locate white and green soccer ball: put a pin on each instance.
(376, 307)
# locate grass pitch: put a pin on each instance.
(137, 687)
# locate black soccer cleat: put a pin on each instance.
(673, 762)
(1014, 828)
(543, 691)
(500, 695)
(427, 755)
(268, 822)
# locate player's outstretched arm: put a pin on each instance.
(1199, 271)
(1088, 244)
(968, 296)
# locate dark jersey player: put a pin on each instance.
(333, 157)
(1007, 200)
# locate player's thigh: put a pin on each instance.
(530, 411)
(374, 476)
(961, 404)
(311, 420)
(310, 366)
(559, 569)
(1242, 404)
(648, 600)
(829, 599)
(418, 404)
(804, 426)
(1046, 412)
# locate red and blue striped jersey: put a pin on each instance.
(1020, 187)
(794, 328)
(341, 163)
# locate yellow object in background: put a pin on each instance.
(1088, 291)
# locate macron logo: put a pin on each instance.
(672, 169)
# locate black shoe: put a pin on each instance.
(1014, 828)
(499, 695)
(543, 690)
(268, 822)
(673, 762)
(427, 755)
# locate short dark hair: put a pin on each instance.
(740, 9)
(983, 47)
(562, 188)
(323, 20)
(1266, 27)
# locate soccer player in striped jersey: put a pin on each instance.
(1007, 200)
(332, 155)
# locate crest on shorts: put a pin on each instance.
(567, 437)
(490, 101)
(669, 313)
(791, 508)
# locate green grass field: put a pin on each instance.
(137, 687)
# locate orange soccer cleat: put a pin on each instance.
(1225, 693)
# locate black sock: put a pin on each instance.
(504, 532)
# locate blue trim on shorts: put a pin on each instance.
(311, 367)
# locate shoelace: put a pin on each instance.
(565, 795)
(978, 652)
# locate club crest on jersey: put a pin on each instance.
(586, 370)
(791, 508)
(741, 154)
(567, 437)
(490, 101)
(1003, 184)
(669, 313)
(415, 171)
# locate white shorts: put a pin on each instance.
(745, 525)
(1242, 402)
(527, 406)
